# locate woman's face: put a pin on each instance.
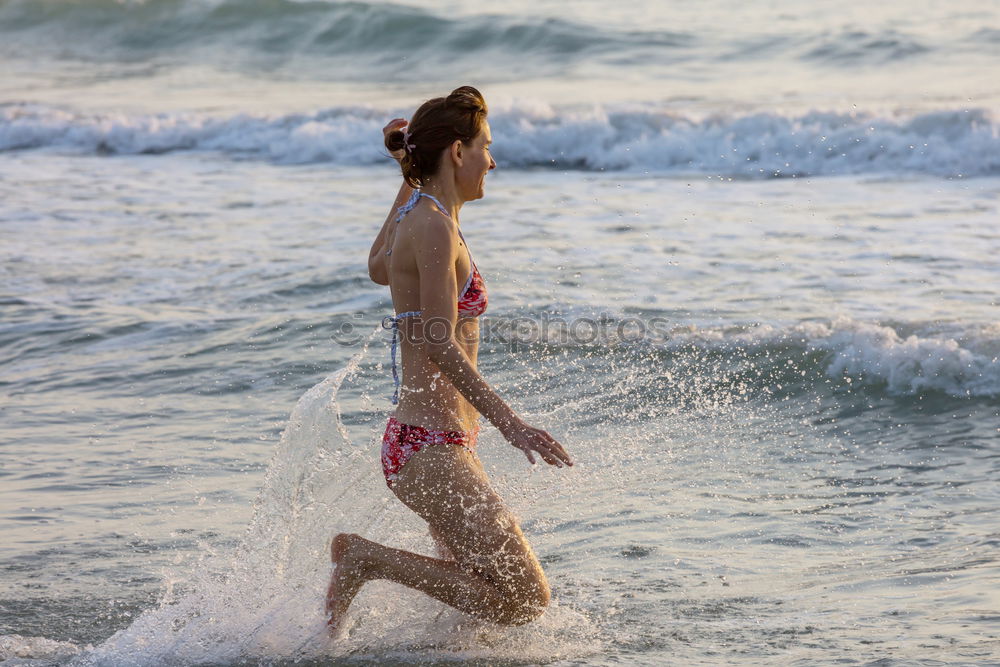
(476, 163)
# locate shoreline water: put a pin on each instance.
(798, 464)
(802, 405)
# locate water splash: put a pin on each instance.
(265, 601)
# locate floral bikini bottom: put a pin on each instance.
(401, 441)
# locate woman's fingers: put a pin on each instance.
(544, 453)
(537, 440)
(532, 441)
(531, 457)
(561, 453)
(519, 444)
(555, 449)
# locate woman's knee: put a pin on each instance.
(526, 590)
(538, 599)
(526, 608)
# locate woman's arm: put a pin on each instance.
(378, 269)
(436, 251)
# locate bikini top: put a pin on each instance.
(472, 300)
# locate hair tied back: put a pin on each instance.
(440, 121)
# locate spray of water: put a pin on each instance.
(264, 602)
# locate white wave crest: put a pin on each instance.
(911, 364)
(962, 363)
(961, 142)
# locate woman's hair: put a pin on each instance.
(435, 126)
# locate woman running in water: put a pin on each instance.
(428, 450)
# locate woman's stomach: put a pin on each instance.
(427, 396)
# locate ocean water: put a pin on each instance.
(741, 262)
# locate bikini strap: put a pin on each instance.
(462, 236)
(439, 205)
(408, 206)
(392, 323)
(472, 264)
(411, 204)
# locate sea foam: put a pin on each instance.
(961, 363)
(949, 143)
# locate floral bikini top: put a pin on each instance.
(472, 300)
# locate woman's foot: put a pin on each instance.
(349, 553)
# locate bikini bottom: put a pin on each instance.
(401, 441)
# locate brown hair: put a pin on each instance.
(435, 126)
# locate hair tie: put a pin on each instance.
(407, 146)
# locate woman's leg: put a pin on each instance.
(449, 489)
(360, 560)
(495, 576)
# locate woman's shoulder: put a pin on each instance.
(430, 231)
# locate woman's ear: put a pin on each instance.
(456, 152)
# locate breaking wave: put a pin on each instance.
(955, 143)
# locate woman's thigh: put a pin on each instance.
(447, 486)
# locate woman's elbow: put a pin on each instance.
(437, 350)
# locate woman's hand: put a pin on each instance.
(394, 124)
(531, 440)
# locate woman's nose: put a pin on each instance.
(493, 164)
